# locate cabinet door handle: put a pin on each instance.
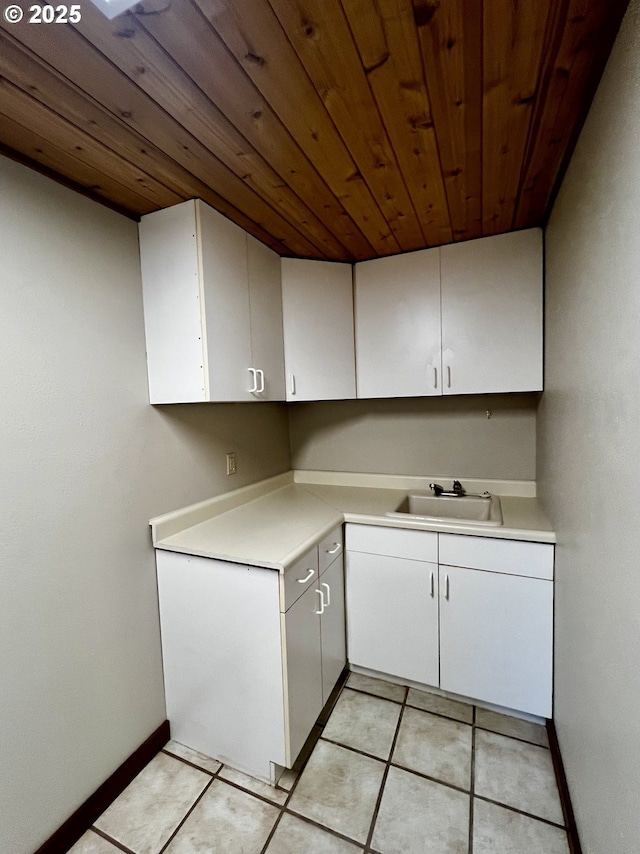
(261, 373)
(254, 374)
(324, 584)
(433, 586)
(448, 376)
(321, 611)
(292, 384)
(308, 577)
(446, 587)
(435, 377)
(335, 550)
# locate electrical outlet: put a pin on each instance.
(231, 463)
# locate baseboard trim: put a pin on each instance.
(82, 819)
(563, 789)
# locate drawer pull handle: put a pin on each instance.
(309, 576)
(260, 389)
(321, 611)
(335, 550)
(448, 376)
(435, 377)
(292, 384)
(254, 374)
(433, 587)
(446, 587)
(324, 584)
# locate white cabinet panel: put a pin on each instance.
(221, 642)
(513, 557)
(397, 311)
(303, 667)
(265, 298)
(302, 574)
(330, 548)
(332, 626)
(496, 638)
(225, 279)
(492, 313)
(317, 307)
(395, 542)
(172, 306)
(392, 616)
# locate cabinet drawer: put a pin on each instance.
(393, 542)
(300, 576)
(511, 557)
(330, 548)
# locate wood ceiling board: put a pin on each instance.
(320, 34)
(29, 72)
(385, 34)
(253, 35)
(69, 51)
(29, 112)
(186, 35)
(279, 112)
(141, 59)
(45, 156)
(450, 34)
(587, 32)
(513, 39)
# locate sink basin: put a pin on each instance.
(476, 509)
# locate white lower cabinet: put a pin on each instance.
(482, 628)
(250, 655)
(303, 649)
(496, 637)
(313, 629)
(392, 610)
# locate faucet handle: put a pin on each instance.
(436, 488)
(458, 488)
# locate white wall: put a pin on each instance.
(589, 456)
(422, 436)
(84, 463)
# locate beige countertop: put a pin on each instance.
(276, 521)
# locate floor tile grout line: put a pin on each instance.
(192, 764)
(110, 839)
(185, 817)
(520, 812)
(472, 781)
(325, 827)
(514, 737)
(376, 809)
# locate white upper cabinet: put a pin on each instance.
(265, 301)
(317, 308)
(397, 312)
(492, 314)
(212, 309)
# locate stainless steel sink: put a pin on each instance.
(476, 509)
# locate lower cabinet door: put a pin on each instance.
(496, 638)
(392, 616)
(303, 697)
(332, 627)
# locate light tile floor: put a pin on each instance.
(394, 771)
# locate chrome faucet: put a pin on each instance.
(456, 491)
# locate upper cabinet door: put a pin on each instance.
(265, 299)
(397, 310)
(317, 307)
(225, 284)
(492, 314)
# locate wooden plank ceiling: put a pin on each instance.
(338, 129)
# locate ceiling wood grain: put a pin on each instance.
(338, 129)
